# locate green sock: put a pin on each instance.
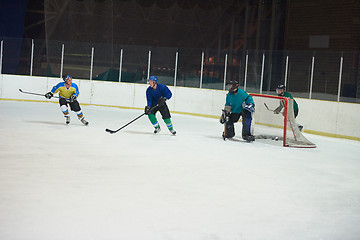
(168, 123)
(153, 120)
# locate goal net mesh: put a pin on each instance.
(282, 126)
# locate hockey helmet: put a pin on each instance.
(67, 77)
(233, 85)
(280, 89)
(153, 78)
(281, 86)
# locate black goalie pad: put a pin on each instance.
(229, 130)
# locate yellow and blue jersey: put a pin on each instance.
(66, 92)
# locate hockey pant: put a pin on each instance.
(165, 113)
(74, 106)
(296, 112)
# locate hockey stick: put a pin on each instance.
(268, 108)
(115, 131)
(273, 110)
(38, 94)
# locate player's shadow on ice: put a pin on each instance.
(46, 122)
(148, 133)
(138, 132)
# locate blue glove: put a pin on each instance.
(250, 107)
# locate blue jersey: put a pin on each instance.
(153, 95)
(235, 100)
(66, 92)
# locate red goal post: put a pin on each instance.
(281, 126)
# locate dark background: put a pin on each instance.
(301, 29)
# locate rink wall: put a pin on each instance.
(320, 117)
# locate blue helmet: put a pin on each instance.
(153, 78)
(65, 78)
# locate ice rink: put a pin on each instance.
(78, 182)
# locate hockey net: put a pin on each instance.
(280, 126)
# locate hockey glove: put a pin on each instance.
(250, 107)
(49, 95)
(161, 101)
(223, 117)
(147, 110)
(225, 113)
(72, 98)
(278, 109)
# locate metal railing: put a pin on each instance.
(325, 75)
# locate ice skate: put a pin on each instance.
(173, 131)
(157, 129)
(67, 119)
(84, 121)
(300, 127)
(249, 138)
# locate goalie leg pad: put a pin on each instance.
(246, 124)
(229, 130)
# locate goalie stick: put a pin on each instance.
(115, 131)
(224, 133)
(37, 94)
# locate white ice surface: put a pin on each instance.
(81, 183)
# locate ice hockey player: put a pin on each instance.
(281, 92)
(238, 103)
(156, 96)
(68, 93)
